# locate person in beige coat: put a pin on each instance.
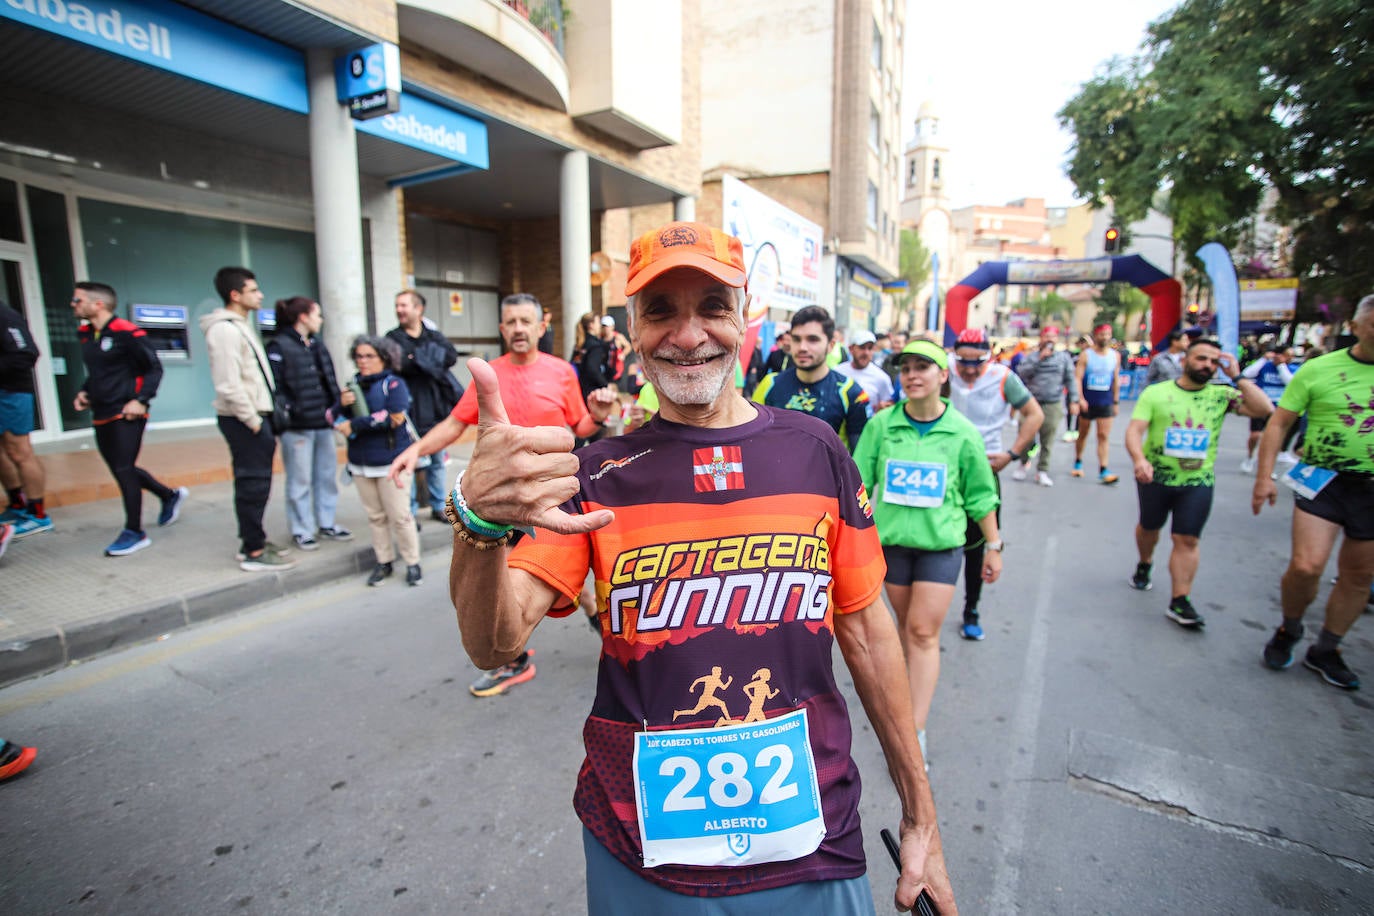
(243, 406)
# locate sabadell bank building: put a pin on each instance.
(342, 150)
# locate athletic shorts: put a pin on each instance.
(1097, 412)
(1257, 424)
(1190, 507)
(906, 565)
(1348, 501)
(615, 890)
(16, 412)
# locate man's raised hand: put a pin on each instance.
(521, 475)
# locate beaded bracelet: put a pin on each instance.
(464, 516)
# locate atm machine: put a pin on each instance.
(267, 325)
(167, 330)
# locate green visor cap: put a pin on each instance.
(926, 350)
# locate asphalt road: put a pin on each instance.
(322, 755)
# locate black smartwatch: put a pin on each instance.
(1014, 456)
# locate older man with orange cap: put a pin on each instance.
(732, 546)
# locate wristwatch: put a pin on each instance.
(1014, 455)
(995, 545)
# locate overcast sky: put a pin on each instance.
(998, 70)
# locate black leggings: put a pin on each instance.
(119, 442)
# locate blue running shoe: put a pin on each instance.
(971, 631)
(171, 507)
(128, 542)
(10, 516)
(27, 524)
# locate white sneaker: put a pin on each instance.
(1287, 458)
(1071, 436)
(1044, 479)
(1248, 466)
(1018, 472)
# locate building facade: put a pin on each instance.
(147, 143)
(801, 101)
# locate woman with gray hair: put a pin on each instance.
(371, 414)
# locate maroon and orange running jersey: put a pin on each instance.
(730, 552)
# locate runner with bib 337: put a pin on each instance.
(1172, 440)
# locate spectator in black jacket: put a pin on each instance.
(303, 372)
(122, 375)
(24, 477)
(426, 356)
(597, 369)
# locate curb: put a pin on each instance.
(54, 648)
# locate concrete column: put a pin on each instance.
(685, 209)
(575, 238)
(338, 210)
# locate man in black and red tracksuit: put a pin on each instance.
(122, 375)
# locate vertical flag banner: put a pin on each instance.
(1226, 290)
(933, 311)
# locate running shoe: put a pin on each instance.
(1287, 458)
(1018, 472)
(1141, 579)
(14, 759)
(6, 535)
(970, 628)
(1278, 652)
(1044, 479)
(267, 561)
(10, 516)
(128, 542)
(171, 507)
(413, 576)
(306, 541)
(336, 533)
(280, 550)
(27, 524)
(1070, 436)
(1332, 668)
(499, 680)
(380, 573)
(1248, 465)
(1077, 469)
(1106, 476)
(1182, 612)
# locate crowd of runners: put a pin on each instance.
(743, 526)
(727, 542)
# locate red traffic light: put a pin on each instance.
(1110, 239)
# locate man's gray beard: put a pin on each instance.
(687, 394)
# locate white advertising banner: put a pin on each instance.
(782, 249)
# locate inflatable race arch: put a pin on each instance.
(1166, 293)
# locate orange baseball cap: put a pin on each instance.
(695, 245)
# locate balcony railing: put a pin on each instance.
(544, 15)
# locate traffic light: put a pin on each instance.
(1109, 241)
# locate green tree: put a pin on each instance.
(914, 267)
(1229, 98)
(1123, 306)
(1049, 307)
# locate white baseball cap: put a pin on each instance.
(862, 338)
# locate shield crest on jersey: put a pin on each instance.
(739, 843)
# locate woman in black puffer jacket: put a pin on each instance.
(371, 414)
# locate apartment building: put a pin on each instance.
(801, 101)
(147, 143)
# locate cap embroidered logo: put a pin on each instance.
(674, 236)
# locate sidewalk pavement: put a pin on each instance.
(62, 600)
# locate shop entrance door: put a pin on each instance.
(16, 280)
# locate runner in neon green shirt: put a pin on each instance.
(1335, 485)
(1172, 440)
